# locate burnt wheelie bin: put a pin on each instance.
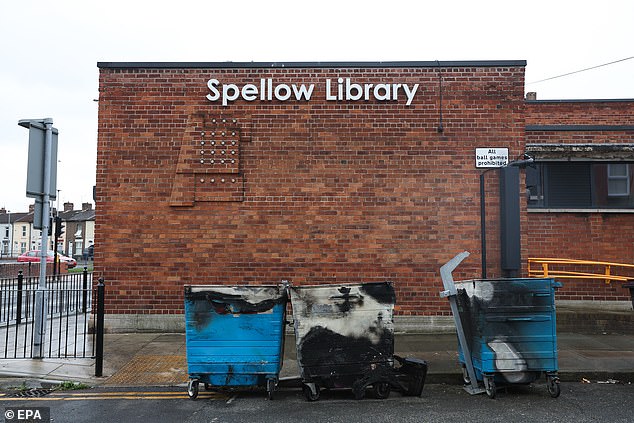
(506, 329)
(234, 336)
(345, 339)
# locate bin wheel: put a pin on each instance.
(553, 387)
(465, 376)
(359, 394)
(270, 388)
(309, 394)
(489, 386)
(208, 387)
(381, 390)
(192, 389)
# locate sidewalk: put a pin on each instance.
(151, 359)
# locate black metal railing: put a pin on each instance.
(14, 306)
(68, 302)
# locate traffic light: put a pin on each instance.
(59, 228)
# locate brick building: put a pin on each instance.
(236, 173)
(580, 191)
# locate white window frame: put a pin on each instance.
(625, 177)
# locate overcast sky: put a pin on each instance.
(50, 49)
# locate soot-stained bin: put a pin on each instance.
(234, 336)
(345, 339)
(510, 330)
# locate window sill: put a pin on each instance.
(564, 210)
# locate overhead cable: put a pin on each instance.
(581, 70)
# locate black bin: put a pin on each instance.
(345, 339)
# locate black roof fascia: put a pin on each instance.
(294, 65)
(608, 146)
(583, 100)
(579, 128)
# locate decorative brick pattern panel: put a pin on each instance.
(209, 162)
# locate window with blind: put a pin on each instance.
(580, 185)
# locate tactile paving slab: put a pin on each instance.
(151, 370)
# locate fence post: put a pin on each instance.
(18, 317)
(101, 289)
(84, 295)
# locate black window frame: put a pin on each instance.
(575, 185)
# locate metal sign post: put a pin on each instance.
(41, 185)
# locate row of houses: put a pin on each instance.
(17, 234)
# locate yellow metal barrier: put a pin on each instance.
(544, 268)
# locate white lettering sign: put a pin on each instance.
(249, 92)
(491, 157)
(339, 90)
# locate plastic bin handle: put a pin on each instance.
(346, 297)
(517, 319)
(528, 319)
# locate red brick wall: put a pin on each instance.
(586, 236)
(579, 112)
(324, 191)
(581, 137)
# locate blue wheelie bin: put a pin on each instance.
(506, 329)
(510, 328)
(234, 336)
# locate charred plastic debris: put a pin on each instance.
(344, 336)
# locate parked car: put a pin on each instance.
(34, 256)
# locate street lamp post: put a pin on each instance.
(8, 232)
(40, 300)
(10, 236)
